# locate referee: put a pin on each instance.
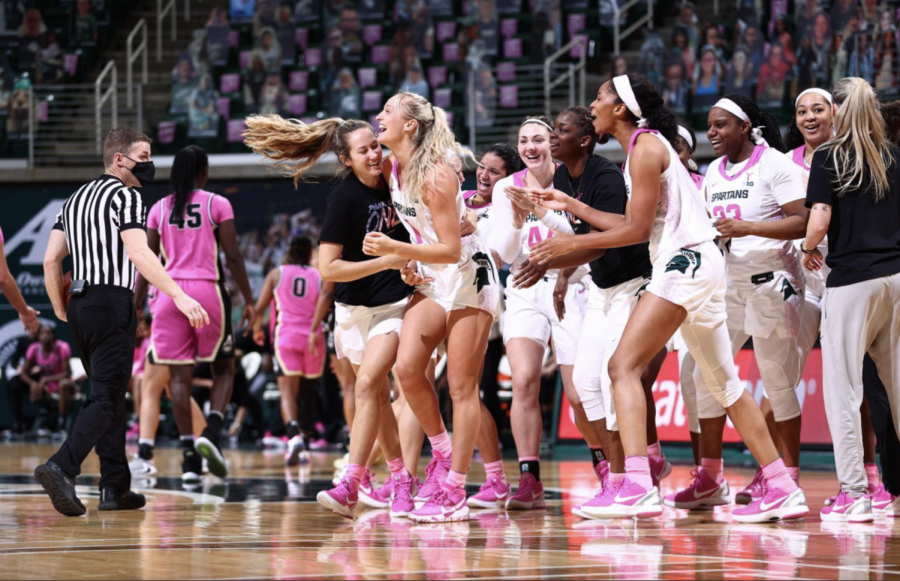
(102, 226)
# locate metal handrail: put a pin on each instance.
(132, 56)
(617, 35)
(162, 12)
(568, 74)
(100, 100)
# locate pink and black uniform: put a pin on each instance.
(189, 245)
(50, 363)
(293, 310)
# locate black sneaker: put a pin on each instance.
(214, 458)
(109, 500)
(191, 467)
(61, 489)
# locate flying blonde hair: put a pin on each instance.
(860, 147)
(432, 141)
(288, 140)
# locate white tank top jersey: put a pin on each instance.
(681, 218)
(815, 279)
(755, 190)
(514, 246)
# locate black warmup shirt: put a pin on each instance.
(864, 235)
(354, 210)
(602, 187)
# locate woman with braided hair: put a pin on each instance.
(756, 195)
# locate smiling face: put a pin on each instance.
(708, 63)
(775, 54)
(565, 142)
(820, 28)
(604, 109)
(492, 170)
(726, 132)
(740, 61)
(751, 36)
(364, 157)
(814, 119)
(392, 127)
(534, 145)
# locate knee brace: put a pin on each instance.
(711, 349)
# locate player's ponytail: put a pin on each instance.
(189, 163)
(289, 140)
(299, 252)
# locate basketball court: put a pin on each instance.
(264, 523)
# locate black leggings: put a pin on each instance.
(886, 442)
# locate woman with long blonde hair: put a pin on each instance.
(456, 300)
(854, 196)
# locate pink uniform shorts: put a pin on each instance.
(294, 358)
(176, 342)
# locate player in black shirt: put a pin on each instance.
(591, 190)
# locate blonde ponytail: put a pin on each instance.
(289, 140)
(860, 147)
(432, 142)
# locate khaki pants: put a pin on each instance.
(856, 319)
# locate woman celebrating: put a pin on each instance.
(370, 296)
(531, 319)
(456, 300)
(189, 228)
(756, 195)
(854, 195)
(298, 307)
(499, 161)
(686, 290)
(592, 192)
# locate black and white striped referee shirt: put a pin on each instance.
(92, 219)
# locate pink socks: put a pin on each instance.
(713, 467)
(397, 467)
(455, 480)
(495, 469)
(872, 476)
(441, 446)
(355, 473)
(777, 476)
(637, 468)
(794, 473)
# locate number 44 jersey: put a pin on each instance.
(755, 190)
(189, 243)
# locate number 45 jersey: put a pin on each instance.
(189, 244)
(755, 190)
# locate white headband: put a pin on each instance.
(817, 91)
(536, 120)
(686, 135)
(735, 109)
(626, 93)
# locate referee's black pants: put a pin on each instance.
(103, 322)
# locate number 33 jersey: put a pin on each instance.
(755, 190)
(189, 243)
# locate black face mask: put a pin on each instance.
(143, 171)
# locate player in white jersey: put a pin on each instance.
(811, 127)
(456, 301)
(757, 197)
(687, 290)
(531, 319)
(499, 161)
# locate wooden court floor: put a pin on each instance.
(264, 523)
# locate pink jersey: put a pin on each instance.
(50, 363)
(190, 245)
(295, 300)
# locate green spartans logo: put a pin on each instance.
(485, 272)
(787, 289)
(684, 260)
